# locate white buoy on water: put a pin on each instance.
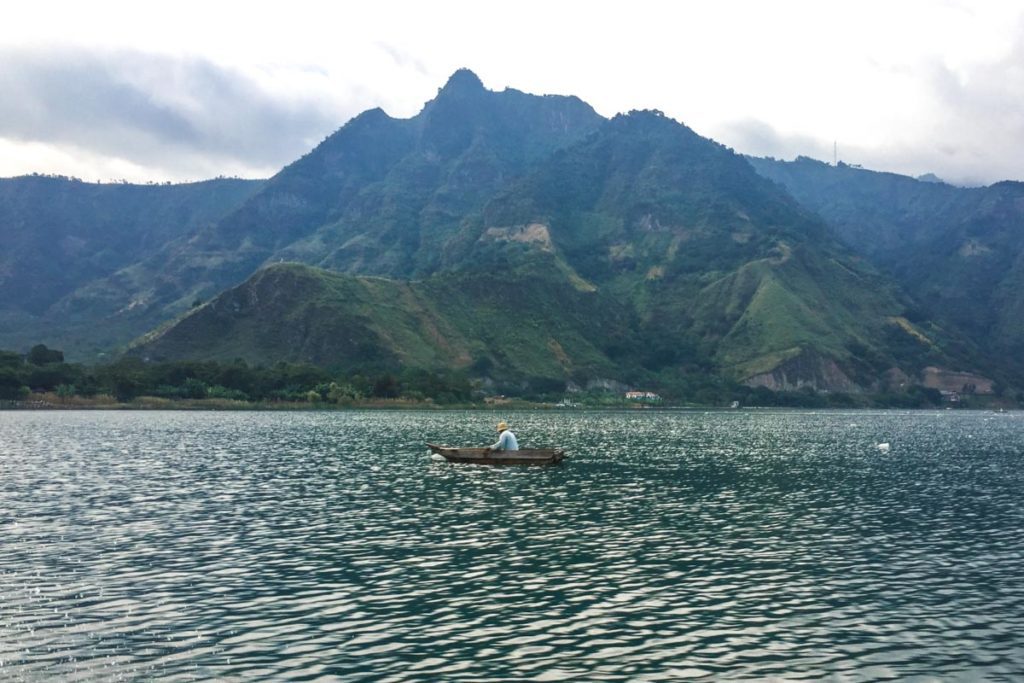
(884, 447)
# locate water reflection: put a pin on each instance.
(731, 545)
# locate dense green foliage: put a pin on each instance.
(130, 378)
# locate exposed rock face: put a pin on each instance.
(534, 233)
(808, 369)
(895, 379)
(951, 380)
(604, 384)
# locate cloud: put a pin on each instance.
(966, 125)
(979, 127)
(915, 102)
(173, 115)
(402, 58)
(955, 162)
(757, 138)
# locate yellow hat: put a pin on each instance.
(502, 426)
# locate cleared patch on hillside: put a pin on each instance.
(952, 380)
(536, 234)
(909, 328)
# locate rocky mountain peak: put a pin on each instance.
(463, 81)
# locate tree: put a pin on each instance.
(339, 393)
(386, 387)
(47, 377)
(124, 379)
(9, 359)
(40, 355)
(194, 388)
(11, 386)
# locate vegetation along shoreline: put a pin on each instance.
(41, 379)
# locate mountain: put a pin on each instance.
(379, 196)
(708, 253)
(59, 234)
(524, 239)
(958, 251)
(707, 266)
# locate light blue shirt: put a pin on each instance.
(506, 442)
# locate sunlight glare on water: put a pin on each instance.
(740, 544)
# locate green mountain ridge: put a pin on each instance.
(959, 252)
(524, 238)
(709, 267)
(58, 235)
(379, 196)
(707, 253)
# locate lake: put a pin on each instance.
(670, 545)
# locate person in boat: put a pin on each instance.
(506, 439)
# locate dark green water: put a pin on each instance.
(745, 544)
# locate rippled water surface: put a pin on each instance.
(739, 544)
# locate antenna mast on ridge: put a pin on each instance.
(835, 155)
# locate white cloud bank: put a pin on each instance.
(157, 91)
(137, 113)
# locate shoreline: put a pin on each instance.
(50, 401)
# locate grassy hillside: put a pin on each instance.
(643, 253)
(527, 324)
(60, 233)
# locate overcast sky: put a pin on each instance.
(186, 90)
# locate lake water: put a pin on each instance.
(742, 544)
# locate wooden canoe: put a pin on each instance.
(481, 456)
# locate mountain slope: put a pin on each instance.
(59, 234)
(641, 251)
(958, 251)
(521, 236)
(471, 321)
(379, 196)
(713, 258)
